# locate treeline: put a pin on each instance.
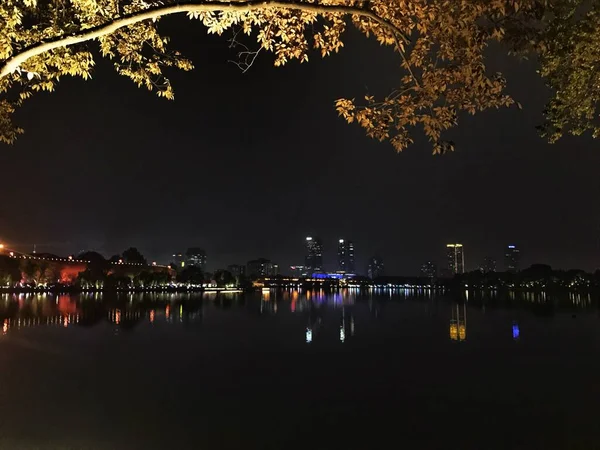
(91, 270)
(536, 277)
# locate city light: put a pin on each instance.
(308, 335)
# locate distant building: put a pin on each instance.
(375, 268)
(345, 256)
(298, 271)
(512, 258)
(314, 255)
(237, 270)
(429, 270)
(196, 257)
(488, 265)
(261, 267)
(179, 260)
(455, 254)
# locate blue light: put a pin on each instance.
(515, 331)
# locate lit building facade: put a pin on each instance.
(179, 260)
(345, 256)
(512, 258)
(196, 257)
(314, 255)
(488, 265)
(455, 254)
(298, 271)
(429, 270)
(261, 267)
(237, 270)
(375, 268)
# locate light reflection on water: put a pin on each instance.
(296, 369)
(127, 310)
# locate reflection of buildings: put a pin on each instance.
(375, 268)
(456, 258)
(345, 256)
(511, 259)
(488, 265)
(458, 324)
(314, 255)
(429, 270)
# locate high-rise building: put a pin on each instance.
(261, 267)
(429, 270)
(345, 256)
(196, 257)
(314, 255)
(456, 258)
(298, 271)
(512, 258)
(375, 268)
(237, 270)
(488, 265)
(179, 260)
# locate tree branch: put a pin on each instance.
(12, 63)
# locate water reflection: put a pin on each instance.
(127, 311)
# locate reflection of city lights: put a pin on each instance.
(118, 316)
(515, 331)
(152, 316)
(453, 332)
(352, 326)
(342, 334)
(308, 335)
(167, 311)
(65, 322)
(462, 332)
(5, 326)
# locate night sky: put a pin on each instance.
(247, 165)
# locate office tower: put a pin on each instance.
(237, 270)
(488, 265)
(375, 268)
(456, 258)
(261, 267)
(345, 256)
(298, 271)
(196, 257)
(512, 258)
(429, 270)
(179, 260)
(314, 255)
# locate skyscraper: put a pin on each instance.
(429, 270)
(375, 268)
(345, 256)
(512, 257)
(261, 267)
(456, 258)
(237, 270)
(196, 257)
(488, 265)
(314, 255)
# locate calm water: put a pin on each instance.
(235, 371)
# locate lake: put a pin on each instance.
(297, 370)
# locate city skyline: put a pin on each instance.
(102, 164)
(330, 260)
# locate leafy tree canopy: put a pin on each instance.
(441, 46)
(133, 255)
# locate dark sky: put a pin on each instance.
(247, 165)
